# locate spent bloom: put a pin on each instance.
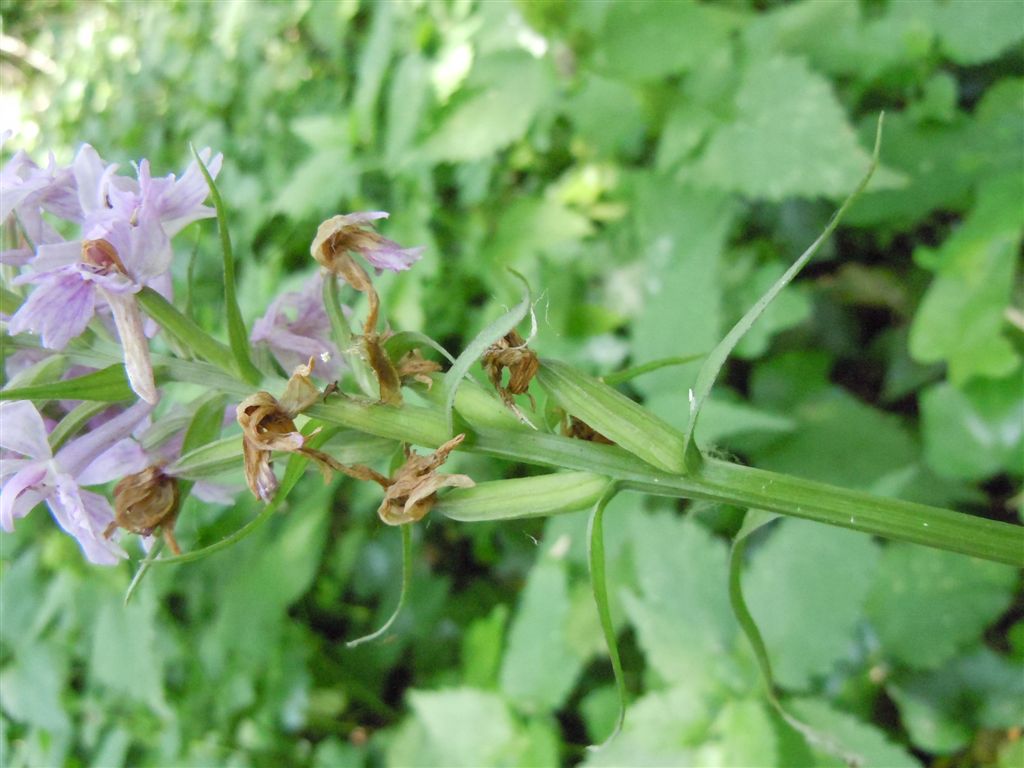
(31, 473)
(126, 225)
(354, 232)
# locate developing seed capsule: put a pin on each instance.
(613, 415)
(524, 497)
(144, 502)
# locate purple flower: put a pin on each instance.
(98, 456)
(27, 191)
(64, 302)
(127, 225)
(354, 232)
(296, 328)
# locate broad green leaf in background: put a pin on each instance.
(126, 653)
(790, 137)
(975, 431)
(681, 234)
(839, 440)
(647, 40)
(608, 115)
(326, 175)
(943, 709)
(462, 728)
(974, 31)
(961, 317)
(806, 613)
(482, 646)
(926, 605)
(661, 729)
(742, 734)
(33, 689)
(530, 227)
(858, 738)
(944, 161)
(506, 92)
(681, 609)
(540, 667)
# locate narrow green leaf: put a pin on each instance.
(238, 336)
(718, 356)
(203, 429)
(628, 374)
(185, 330)
(406, 580)
(614, 415)
(74, 421)
(208, 460)
(190, 277)
(46, 371)
(523, 497)
(10, 302)
(599, 583)
(753, 521)
(108, 385)
(405, 341)
(206, 423)
(489, 335)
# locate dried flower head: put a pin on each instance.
(411, 494)
(268, 425)
(580, 430)
(339, 236)
(414, 366)
(144, 502)
(522, 363)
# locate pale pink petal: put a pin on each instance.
(123, 458)
(22, 430)
(58, 310)
(85, 516)
(79, 453)
(21, 493)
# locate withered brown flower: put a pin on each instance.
(144, 502)
(268, 425)
(414, 366)
(522, 363)
(411, 494)
(336, 240)
(580, 430)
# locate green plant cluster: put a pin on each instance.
(652, 168)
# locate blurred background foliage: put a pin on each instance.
(651, 168)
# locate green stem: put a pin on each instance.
(715, 481)
(345, 341)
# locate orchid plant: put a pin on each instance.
(89, 309)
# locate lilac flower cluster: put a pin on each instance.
(121, 244)
(124, 225)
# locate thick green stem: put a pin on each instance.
(716, 481)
